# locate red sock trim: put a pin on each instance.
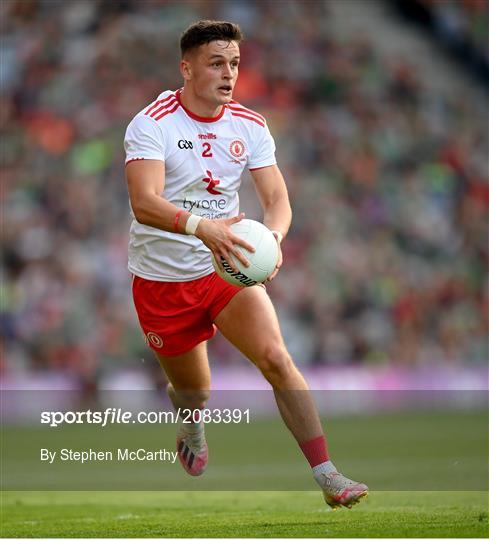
(315, 450)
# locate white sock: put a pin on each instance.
(326, 467)
(192, 427)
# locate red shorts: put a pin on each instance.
(177, 315)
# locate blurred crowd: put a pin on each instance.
(460, 26)
(387, 255)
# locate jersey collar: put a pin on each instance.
(196, 116)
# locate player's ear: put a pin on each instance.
(186, 69)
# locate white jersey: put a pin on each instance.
(204, 159)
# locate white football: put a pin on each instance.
(262, 262)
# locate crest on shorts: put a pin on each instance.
(237, 148)
(154, 339)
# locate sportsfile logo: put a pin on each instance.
(117, 415)
(238, 276)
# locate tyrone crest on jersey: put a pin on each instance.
(237, 149)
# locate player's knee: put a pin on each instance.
(276, 364)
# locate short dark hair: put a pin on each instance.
(206, 31)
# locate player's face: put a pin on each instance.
(213, 71)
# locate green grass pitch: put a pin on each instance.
(411, 451)
(241, 514)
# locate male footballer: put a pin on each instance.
(186, 152)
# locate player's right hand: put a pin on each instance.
(220, 239)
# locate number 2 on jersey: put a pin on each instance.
(207, 150)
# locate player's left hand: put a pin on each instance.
(280, 257)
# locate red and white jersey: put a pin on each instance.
(204, 159)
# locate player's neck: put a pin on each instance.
(197, 106)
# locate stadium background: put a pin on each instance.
(383, 142)
(379, 110)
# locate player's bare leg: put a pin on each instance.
(250, 323)
(189, 388)
(189, 376)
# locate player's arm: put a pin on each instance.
(274, 199)
(146, 182)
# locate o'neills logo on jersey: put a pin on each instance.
(207, 136)
(238, 276)
(237, 148)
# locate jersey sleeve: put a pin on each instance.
(144, 140)
(263, 152)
